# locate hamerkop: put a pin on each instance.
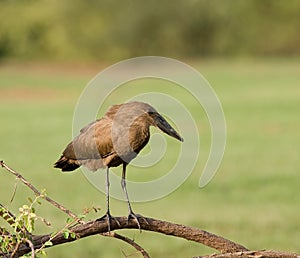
(114, 140)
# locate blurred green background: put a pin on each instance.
(247, 50)
(112, 30)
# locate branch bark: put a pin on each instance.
(253, 254)
(128, 241)
(97, 227)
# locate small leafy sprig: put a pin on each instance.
(22, 226)
(27, 215)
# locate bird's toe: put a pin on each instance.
(109, 218)
(137, 218)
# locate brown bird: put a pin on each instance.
(114, 140)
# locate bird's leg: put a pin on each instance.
(107, 192)
(108, 217)
(131, 213)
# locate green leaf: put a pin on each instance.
(73, 235)
(10, 219)
(69, 220)
(48, 243)
(53, 234)
(30, 200)
(66, 234)
(81, 216)
(43, 253)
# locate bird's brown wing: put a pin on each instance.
(82, 130)
(89, 148)
(94, 142)
(109, 114)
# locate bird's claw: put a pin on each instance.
(108, 217)
(136, 218)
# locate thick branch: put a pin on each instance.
(95, 227)
(253, 254)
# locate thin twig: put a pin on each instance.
(15, 250)
(66, 227)
(3, 232)
(11, 219)
(31, 247)
(7, 215)
(18, 245)
(129, 241)
(38, 193)
(14, 191)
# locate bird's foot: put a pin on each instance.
(108, 217)
(137, 218)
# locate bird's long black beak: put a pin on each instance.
(163, 125)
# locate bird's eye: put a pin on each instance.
(154, 115)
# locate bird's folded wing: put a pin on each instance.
(94, 142)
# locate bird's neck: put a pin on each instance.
(139, 135)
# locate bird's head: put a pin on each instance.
(163, 125)
(144, 114)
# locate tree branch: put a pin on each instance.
(129, 241)
(97, 227)
(227, 248)
(10, 219)
(7, 215)
(38, 193)
(253, 254)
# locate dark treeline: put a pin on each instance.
(110, 29)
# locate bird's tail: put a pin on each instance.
(66, 164)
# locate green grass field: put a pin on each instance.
(253, 199)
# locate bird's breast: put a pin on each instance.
(127, 141)
(139, 138)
